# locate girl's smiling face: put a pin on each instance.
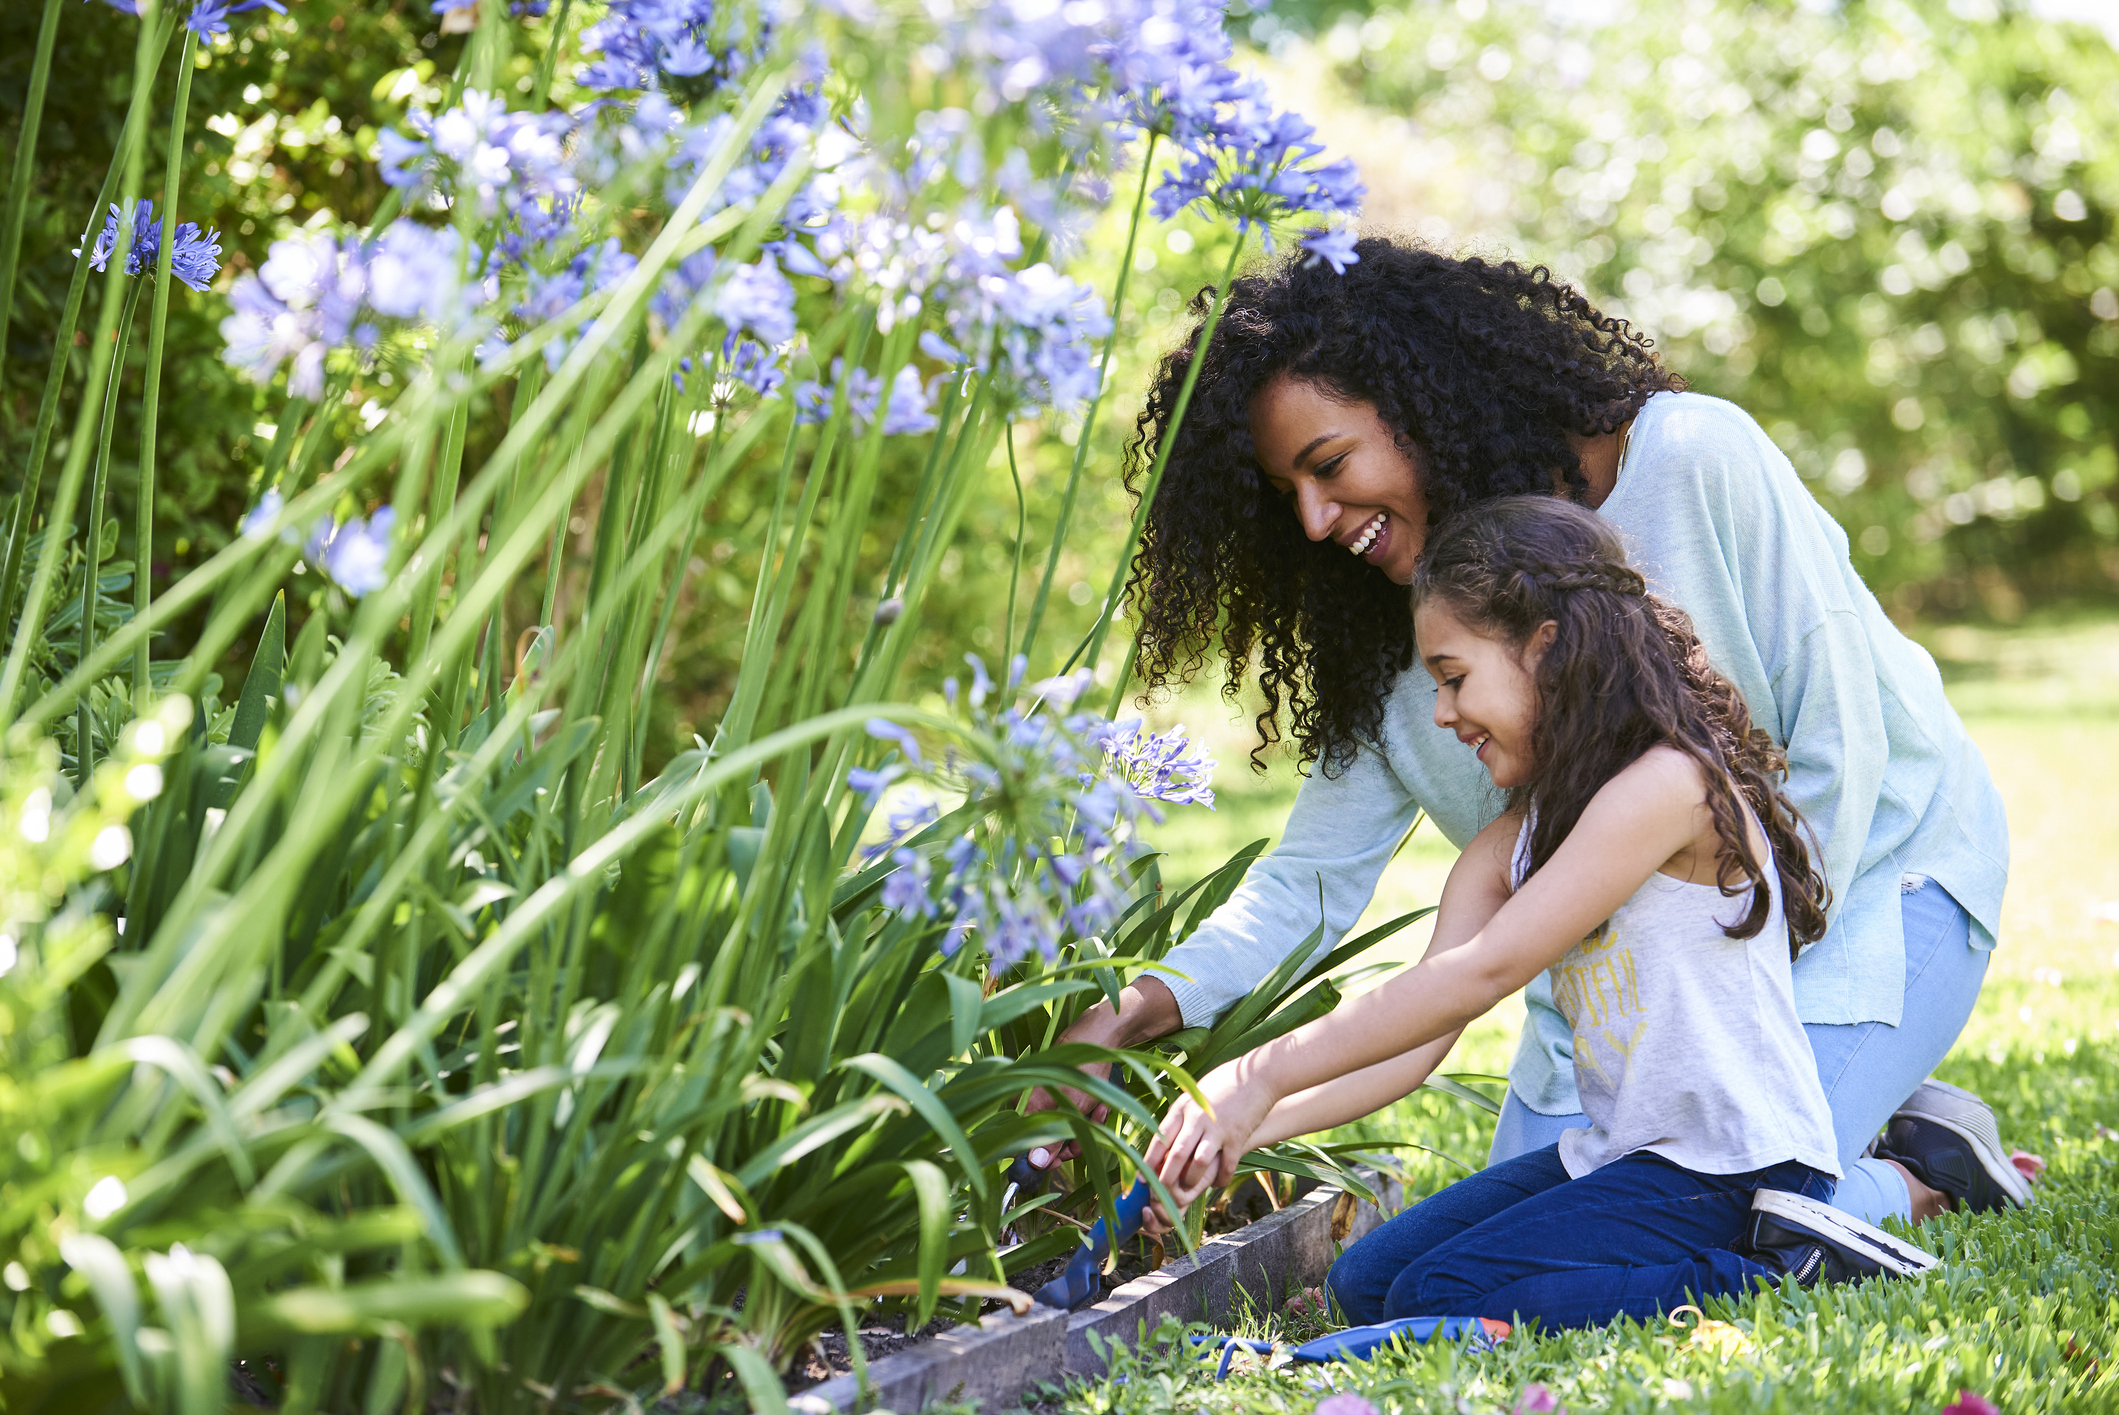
(1484, 689)
(1342, 472)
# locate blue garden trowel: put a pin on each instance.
(1078, 1285)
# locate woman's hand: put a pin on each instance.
(1198, 1148)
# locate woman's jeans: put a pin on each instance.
(1520, 1239)
(1868, 1069)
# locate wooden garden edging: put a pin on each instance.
(1005, 1356)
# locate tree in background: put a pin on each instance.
(1885, 231)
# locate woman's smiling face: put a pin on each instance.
(1343, 473)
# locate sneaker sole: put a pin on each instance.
(1896, 1257)
(1971, 1120)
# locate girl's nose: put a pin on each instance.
(1445, 709)
(1317, 510)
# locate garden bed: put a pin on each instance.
(1261, 1264)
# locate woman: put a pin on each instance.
(1338, 415)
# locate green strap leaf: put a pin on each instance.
(928, 1106)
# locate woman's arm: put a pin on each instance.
(1476, 890)
(1633, 826)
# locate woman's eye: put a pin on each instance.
(1331, 467)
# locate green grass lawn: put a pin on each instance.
(2026, 1305)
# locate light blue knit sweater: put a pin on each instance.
(1719, 522)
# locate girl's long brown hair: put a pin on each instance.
(1624, 672)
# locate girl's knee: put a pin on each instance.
(1435, 1288)
(1354, 1294)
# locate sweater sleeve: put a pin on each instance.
(1832, 724)
(1339, 838)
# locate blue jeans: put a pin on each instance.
(1868, 1069)
(1521, 1240)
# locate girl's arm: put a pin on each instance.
(1631, 828)
(1475, 892)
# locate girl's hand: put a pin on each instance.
(1195, 1150)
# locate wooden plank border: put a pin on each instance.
(1004, 1356)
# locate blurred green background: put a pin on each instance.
(1886, 229)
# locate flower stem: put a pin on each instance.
(1103, 382)
(55, 378)
(1163, 449)
(150, 397)
(98, 489)
(1016, 574)
(25, 157)
(147, 56)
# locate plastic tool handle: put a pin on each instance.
(1077, 1286)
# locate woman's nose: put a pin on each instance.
(1317, 510)
(1445, 709)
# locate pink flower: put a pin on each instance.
(1345, 1403)
(1971, 1402)
(2030, 1166)
(1537, 1400)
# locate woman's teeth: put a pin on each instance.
(1368, 536)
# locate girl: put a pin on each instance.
(1340, 412)
(1650, 860)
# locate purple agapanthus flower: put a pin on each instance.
(1062, 797)
(146, 238)
(209, 18)
(1334, 246)
(514, 165)
(906, 411)
(194, 256)
(647, 44)
(355, 555)
(758, 298)
(751, 364)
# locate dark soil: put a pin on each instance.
(829, 1356)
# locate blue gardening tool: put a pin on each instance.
(1359, 1343)
(1078, 1285)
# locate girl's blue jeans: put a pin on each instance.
(1521, 1240)
(1868, 1069)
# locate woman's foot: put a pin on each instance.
(1947, 1139)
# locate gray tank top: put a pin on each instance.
(1686, 1041)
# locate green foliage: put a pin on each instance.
(1886, 230)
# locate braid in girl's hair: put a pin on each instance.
(1624, 672)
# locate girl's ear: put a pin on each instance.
(1541, 639)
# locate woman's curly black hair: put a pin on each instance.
(1486, 367)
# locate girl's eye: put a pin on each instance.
(1331, 467)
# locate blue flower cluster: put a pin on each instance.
(1061, 798)
(906, 409)
(931, 228)
(646, 44)
(194, 257)
(354, 553)
(208, 18)
(1160, 66)
(514, 164)
(1161, 766)
(315, 293)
